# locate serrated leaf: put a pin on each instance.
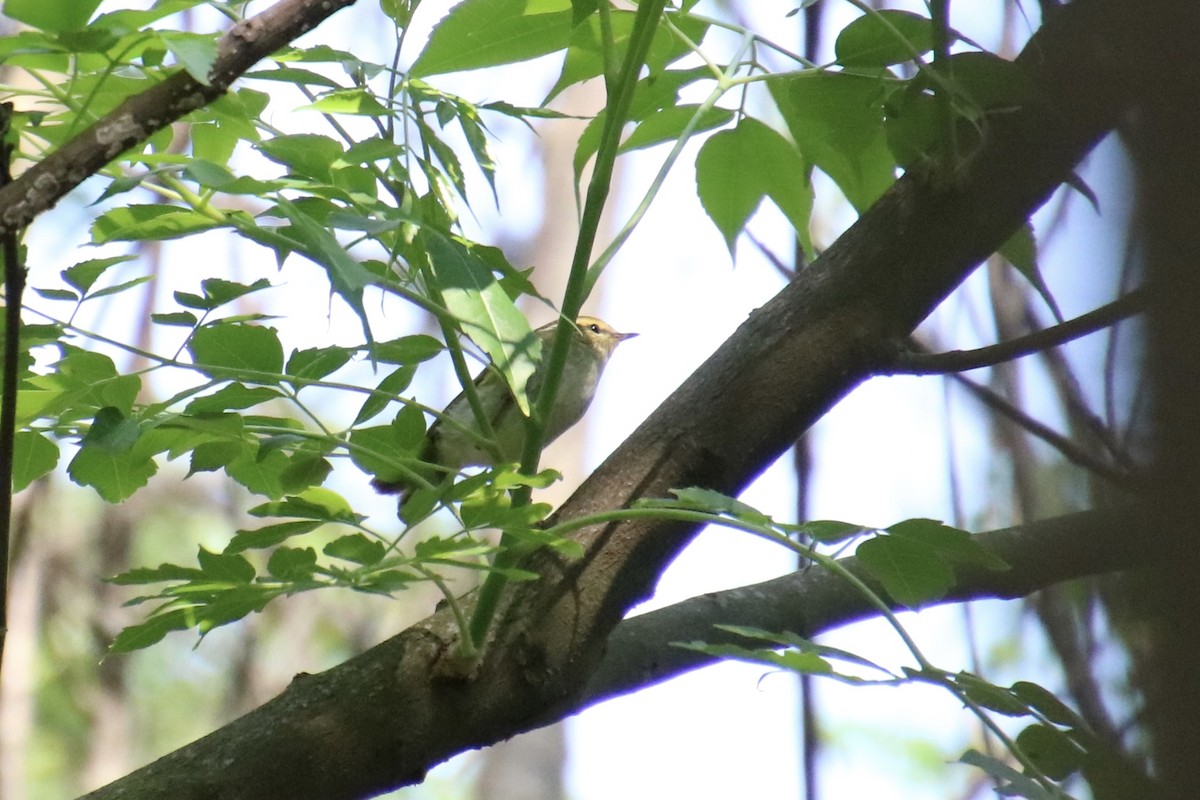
(316, 503)
(83, 275)
(883, 38)
(836, 121)
(950, 543)
(63, 15)
(358, 102)
(145, 223)
(292, 564)
(139, 637)
(33, 455)
(910, 572)
(270, 535)
(306, 154)
(487, 33)
(224, 348)
(183, 318)
(114, 476)
(233, 396)
(195, 52)
(57, 294)
(393, 384)
(736, 169)
(357, 548)
(231, 567)
(408, 349)
(315, 363)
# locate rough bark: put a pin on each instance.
(383, 718)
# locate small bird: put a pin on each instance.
(450, 447)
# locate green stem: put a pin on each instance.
(620, 96)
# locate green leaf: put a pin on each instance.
(156, 222)
(488, 316)
(33, 456)
(349, 101)
(292, 564)
(395, 383)
(666, 125)
(114, 475)
(377, 450)
(487, 33)
(1051, 750)
(195, 52)
(1009, 782)
(139, 637)
(228, 347)
(233, 396)
(1046, 703)
(230, 567)
(408, 349)
(120, 287)
(316, 503)
(884, 38)
(52, 15)
(306, 154)
(57, 294)
(163, 572)
(270, 535)
(261, 474)
(952, 544)
(96, 375)
(83, 275)
(219, 291)
(357, 548)
(183, 318)
(1021, 251)
(112, 431)
(836, 121)
(990, 696)
(736, 169)
(585, 53)
(315, 363)
(830, 531)
(911, 572)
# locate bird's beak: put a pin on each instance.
(623, 336)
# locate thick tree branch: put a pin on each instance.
(144, 114)
(383, 718)
(641, 651)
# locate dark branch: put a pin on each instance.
(14, 288)
(383, 718)
(641, 652)
(915, 363)
(144, 114)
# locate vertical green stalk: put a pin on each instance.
(620, 96)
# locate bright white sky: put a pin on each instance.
(728, 731)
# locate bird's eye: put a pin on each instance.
(594, 328)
